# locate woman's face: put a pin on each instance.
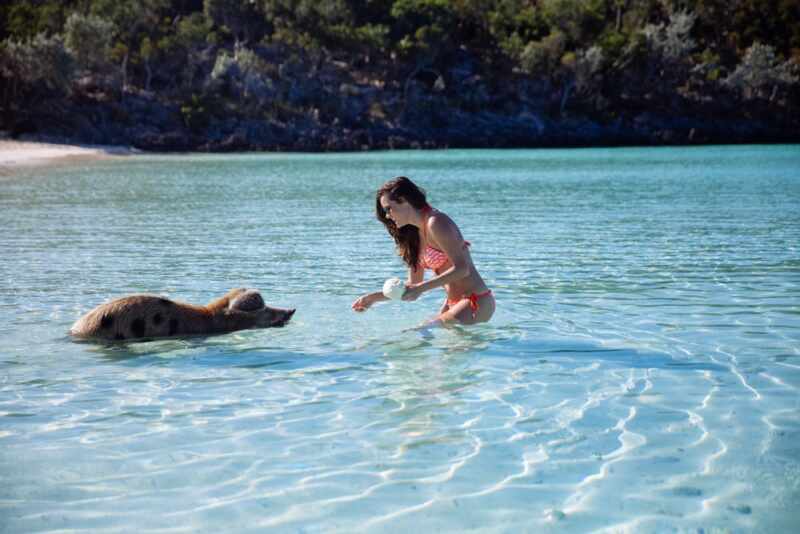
(399, 212)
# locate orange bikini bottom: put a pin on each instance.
(473, 301)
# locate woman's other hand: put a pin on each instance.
(413, 292)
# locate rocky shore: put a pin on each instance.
(143, 122)
(336, 108)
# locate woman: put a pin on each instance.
(428, 239)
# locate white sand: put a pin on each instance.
(16, 154)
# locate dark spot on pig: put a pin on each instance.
(107, 321)
(138, 327)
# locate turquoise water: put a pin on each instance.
(642, 372)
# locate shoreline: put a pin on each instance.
(22, 154)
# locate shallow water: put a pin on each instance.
(642, 371)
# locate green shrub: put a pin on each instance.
(196, 113)
(88, 39)
(41, 60)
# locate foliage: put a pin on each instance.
(578, 75)
(587, 69)
(665, 57)
(196, 112)
(193, 31)
(88, 39)
(423, 25)
(761, 72)
(579, 20)
(42, 60)
(241, 18)
(316, 24)
(514, 24)
(23, 20)
(613, 43)
(671, 42)
(543, 56)
(368, 36)
(255, 55)
(244, 75)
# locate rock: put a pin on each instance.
(173, 141)
(235, 142)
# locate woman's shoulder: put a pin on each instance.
(438, 219)
(439, 223)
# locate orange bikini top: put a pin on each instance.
(433, 258)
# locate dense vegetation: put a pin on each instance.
(344, 74)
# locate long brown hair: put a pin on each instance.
(407, 237)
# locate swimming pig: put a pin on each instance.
(150, 316)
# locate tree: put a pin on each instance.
(24, 20)
(246, 75)
(582, 73)
(543, 57)
(241, 17)
(88, 39)
(28, 70)
(424, 26)
(761, 73)
(147, 52)
(42, 60)
(671, 42)
(669, 45)
(133, 21)
(579, 20)
(513, 24)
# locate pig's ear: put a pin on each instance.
(247, 301)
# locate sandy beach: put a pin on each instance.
(18, 154)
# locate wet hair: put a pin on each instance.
(407, 238)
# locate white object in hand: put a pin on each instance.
(393, 288)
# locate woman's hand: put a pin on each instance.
(363, 302)
(413, 291)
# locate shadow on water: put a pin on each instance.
(559, 350)
(514, 342)
(205, 351)
(482, 341)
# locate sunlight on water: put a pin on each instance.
(642, 371)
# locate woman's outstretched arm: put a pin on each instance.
(363, 302)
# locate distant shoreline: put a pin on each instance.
(18, 154)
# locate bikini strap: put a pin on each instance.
(473, 301)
